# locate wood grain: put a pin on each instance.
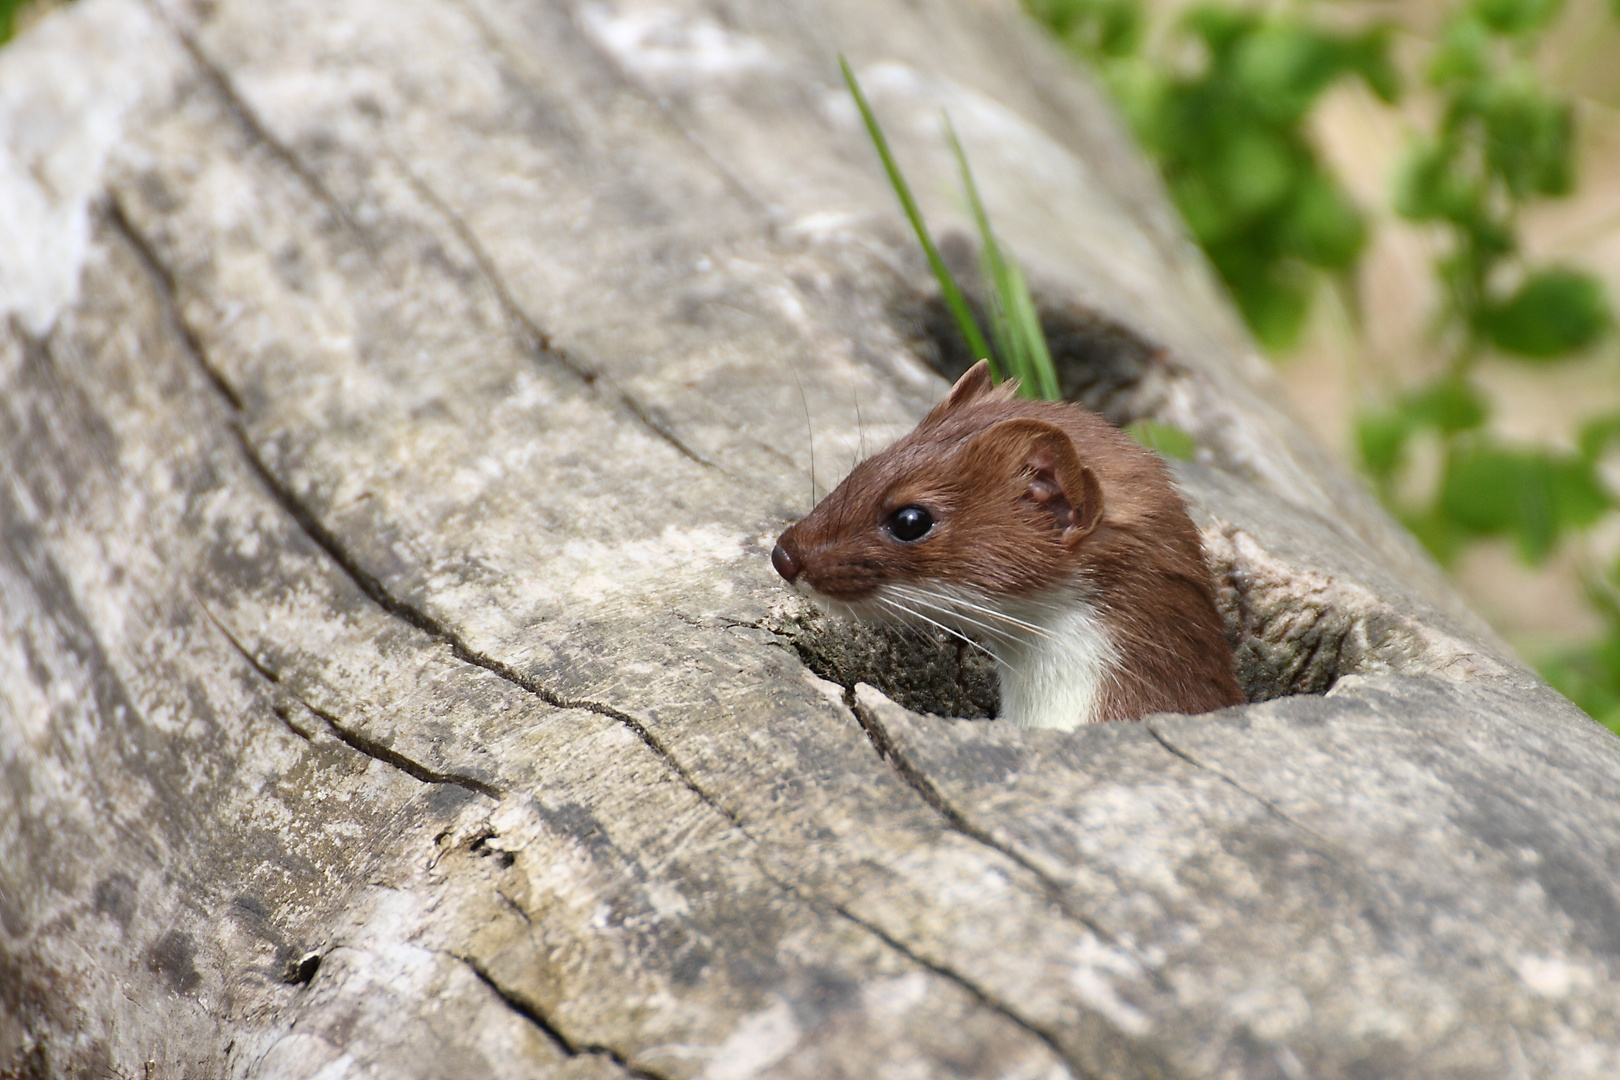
(392, 677)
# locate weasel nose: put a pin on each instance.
(784, 563)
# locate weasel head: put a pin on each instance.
(986, 497)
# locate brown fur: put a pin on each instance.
(1029, 497)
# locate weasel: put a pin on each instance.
(1044, 535)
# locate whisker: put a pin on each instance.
(957, 602)
(905, 611)
(942, 604)
(919, 634)
(964, 600)
(809, 427)
(928, 600)
(951, 631)
(860, 425)
(904, 624)
(991, 632)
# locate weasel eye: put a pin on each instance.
(910, 523)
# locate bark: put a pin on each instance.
(399, 403)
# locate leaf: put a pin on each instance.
(1449, 404)
(1529, 134)
(1285, 64)
(1274, 302)
(1590, 675)
(1094, 28)
(1166, 439)
(947, 284)
(1283, 67)
(1535, 495)
(1222, 27)
(1323, 226)
(1370, 58)
(1463, 54)
(1121, 26)
(1480, 490)
(1553, 313)
(1517, 17)
(1381, 438)
(1142, 92)
(1598, 435)
(1430, 185)
(1209, 218)
(1060, 16)
(1534, 512)
(1578, 494)
(1439, 534)
(1254, 170)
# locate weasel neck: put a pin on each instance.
(1057, 677)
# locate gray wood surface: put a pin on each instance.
(398, 402)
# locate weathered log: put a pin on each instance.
(399, 402)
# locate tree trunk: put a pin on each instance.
(400, 401)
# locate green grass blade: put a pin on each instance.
(954, 299)
(1015, 322)
(993, 265)
(1010, 346)
(1000, 332)
(1007, 343)
(1027, 322)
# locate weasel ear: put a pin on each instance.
(974, 384)
(1040, 458)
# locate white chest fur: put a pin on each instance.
(1054, 655)
(1055, 680)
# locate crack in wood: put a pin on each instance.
(531, 1012)
(355, 741)
(461, 651)
(538, 339)
(388, 756)
(722, 623)
(374, 590)
(1054, 891)
(366, 582)
(951, 975)
(1164, 740)
(168, 291)
(250, 122)
(278, 706)
(645, 418)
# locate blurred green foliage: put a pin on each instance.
(1228, 131)
(1503, 140)
(8, 17)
